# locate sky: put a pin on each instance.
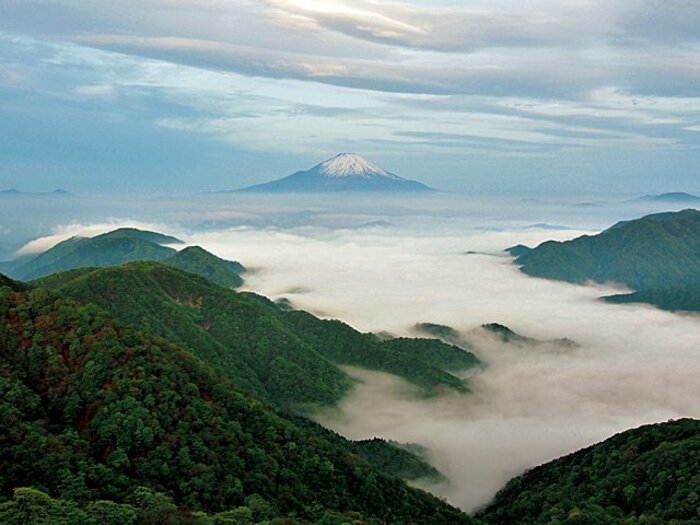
(499, 96)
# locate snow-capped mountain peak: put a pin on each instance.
(351, 165)
(344, 172)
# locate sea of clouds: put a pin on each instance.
(635, 364)
(385, 266)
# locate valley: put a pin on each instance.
(491, 398)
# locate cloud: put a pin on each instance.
(286, 79)
(635, 364)
(66, 231)
(454, 28)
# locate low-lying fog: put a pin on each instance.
(635, 364)
(384, 268)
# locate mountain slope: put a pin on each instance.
(650, 474)
(125, 245)
(683, 299)
(655, 253)
(231, 333)
(95, 410)
(194, 259)
(287, 357)
(344, 172)
(103, 250)
(343, 345)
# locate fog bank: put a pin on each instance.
(386, 265)
(635, 364)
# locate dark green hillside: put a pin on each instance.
(685, 298)
(287, 357)
(231, 332)
(648, 253)
(648, 475)
(397, 460)
(441, 331)
(200, 262)
(91, 411)
(434, 352)
(657, 254)
(146, 507)
(506, 335)
(144, 235)
(104, 250)
(15, 286)
(121, 246)
(342, 344)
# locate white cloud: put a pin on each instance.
(635, 365)
(66, 231)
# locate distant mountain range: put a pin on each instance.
(16, 193)
(120, 246)
(344, 172)
(657, 255)
(676, 197)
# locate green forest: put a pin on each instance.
(93, 410)
(658, 256)
(121, 246)
(650, 475)
(145, 394)
(287, 357)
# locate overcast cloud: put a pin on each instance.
(215, 94)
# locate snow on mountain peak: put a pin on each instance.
(352, 165)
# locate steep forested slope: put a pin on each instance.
(647, 475)
(651, 252)
(657, 254)
(230, 332)
(91, 410)
(288, 357)
(683, 298)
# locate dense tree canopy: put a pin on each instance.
(121, 246)
(91, 410)
(657, 255)
(289, 357)
(647, 475)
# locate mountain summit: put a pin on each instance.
(352, 165)
(344, 172)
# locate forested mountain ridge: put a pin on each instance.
(657, 255)
(121, 246)
(683, 298)
(93, 410)
(109, 424)
(648, 475)
(288, 357)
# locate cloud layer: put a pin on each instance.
(574, 89)
(635, 364)
(386, 264)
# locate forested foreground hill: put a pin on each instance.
(91, 410)
(103, 423)
(657, 255)
(288, 357)
(650, 475)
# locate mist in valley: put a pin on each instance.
(384, 265)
